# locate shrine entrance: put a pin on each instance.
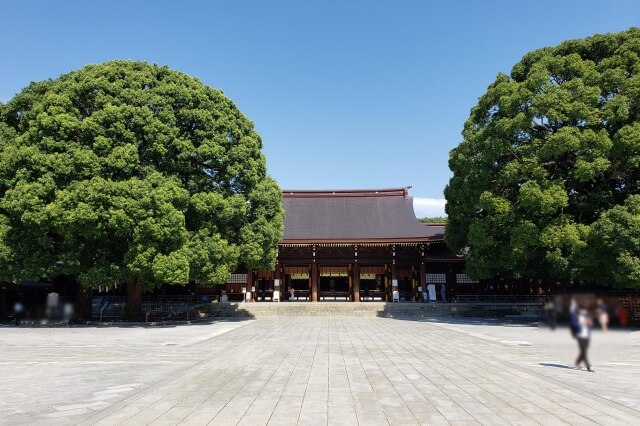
(372, 283)
(334, 283)
(297, 283)
(263, 286)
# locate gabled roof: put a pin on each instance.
(376, 215)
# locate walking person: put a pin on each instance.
(603, 315)
(443, 292)
(583, 336)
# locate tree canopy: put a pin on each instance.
(436, 219)
(132, 172)
(545, 178)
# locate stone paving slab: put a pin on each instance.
(314, 370)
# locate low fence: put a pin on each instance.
(152, 307)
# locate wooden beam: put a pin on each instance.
(250, 285)
(355, 271)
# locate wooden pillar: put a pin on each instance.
(394, 278)
(423, 278)
(355, 271)
(276, 280)
(250, 285)
(414, 284)
(314, 281)
(394, 275)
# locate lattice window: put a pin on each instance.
(436, 278)
(237, 279)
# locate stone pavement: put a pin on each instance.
(314, 370)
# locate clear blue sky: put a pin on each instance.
(345, 94)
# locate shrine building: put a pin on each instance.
(352, 245)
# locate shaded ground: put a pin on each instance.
(335, 370)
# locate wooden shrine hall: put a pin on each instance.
(351, 245)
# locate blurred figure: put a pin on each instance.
(550, 314)
(573, 317)
(431, 289)
(18, 311)
(443, 292)
(603, 315)
(583, 336)
(67, 311)
(53, 306)
(623, 316)
(557, 301)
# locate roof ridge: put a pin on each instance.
(382, 192)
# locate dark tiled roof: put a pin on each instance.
(437, 228)
(383, 215)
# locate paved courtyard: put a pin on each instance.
(313, 370)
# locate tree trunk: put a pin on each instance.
(134, 300)
(83, 304)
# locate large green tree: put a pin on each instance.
(128, 172)
(548, 152)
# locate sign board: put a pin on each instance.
(394, 283)
(276, 283)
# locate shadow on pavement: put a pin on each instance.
(544, 364)
(508, 322)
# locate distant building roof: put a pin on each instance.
(376, 215)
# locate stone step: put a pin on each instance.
(369, 309)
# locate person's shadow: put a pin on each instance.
(544, 364)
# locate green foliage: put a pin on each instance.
(437, 219)
(612, 252)
(128, 171)
(549, 153)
